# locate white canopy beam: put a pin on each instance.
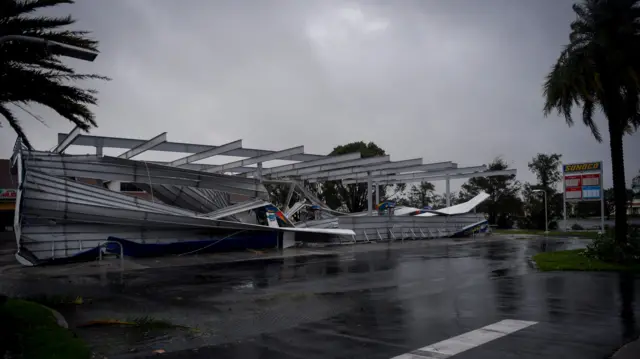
(389, 171)
(363, 169)
(145, 146)
(68, 140)
(329, 160)
(181, 162)
(407, 177)
(377, 160)
(437, 177)
(279, 155)
(128, 143)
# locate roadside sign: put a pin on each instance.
(583, 182)
(573, 194)
(583, 167)
(6, 193)
(582, 187)
(590, 192)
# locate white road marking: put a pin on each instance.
(466, 341)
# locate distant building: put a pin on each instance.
(8, 185)
(633, 207)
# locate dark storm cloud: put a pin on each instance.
(444, 80)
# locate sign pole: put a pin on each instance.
(564, 200)
(601, 198)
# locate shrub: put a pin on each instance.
(605, 248)
(576, 227)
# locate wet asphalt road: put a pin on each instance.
(377, 304)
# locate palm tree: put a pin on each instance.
(599, 70)
(30, 74)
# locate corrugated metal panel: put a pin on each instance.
(236, 208)
(117, 169)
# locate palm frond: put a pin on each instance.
(37, 76)
(11, 8)
(15, 124)
(587, 118)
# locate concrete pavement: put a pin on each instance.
(383, 301)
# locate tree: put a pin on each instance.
(278, 195)
(30, 74)
(421, 195)
(547, 170)
(503, 203)
(599, 70)
(352, 197)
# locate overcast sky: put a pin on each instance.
(456, 80)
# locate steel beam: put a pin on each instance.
(228, 167)
(116, 169)
(68, 140)
(430, 167)
(206, 154)
(128, 143)
(369, 161)
(365, 170)
(340, 159)
(200, 167)
(444, 177)
(419, 175)
(145, 146)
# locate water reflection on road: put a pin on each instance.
(392, 297)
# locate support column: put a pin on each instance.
(377, 193)
(99, 148)
(259, 172)
(369, 194)
(448, 191)
(292, 189)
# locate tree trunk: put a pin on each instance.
(619, 185)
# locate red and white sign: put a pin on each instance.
(7, 193)
(572, 181)
(574, 193)
(591, 179)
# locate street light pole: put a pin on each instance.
(55, 47)
(546, 220)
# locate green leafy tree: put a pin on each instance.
(546, 168)
(599, 70)
(352, 197)
(503, 204)
(29, 74)
(439, 201)
(278, 195)
(421, 195)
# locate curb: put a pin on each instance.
(59, 318)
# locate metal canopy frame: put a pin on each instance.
(420, 175)
(279, 155)
(146, 146)
(440, 177)
(129, 143)
(349, 168)
(181, 162)
(365, 173)
(67, 140)
(320, 162)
